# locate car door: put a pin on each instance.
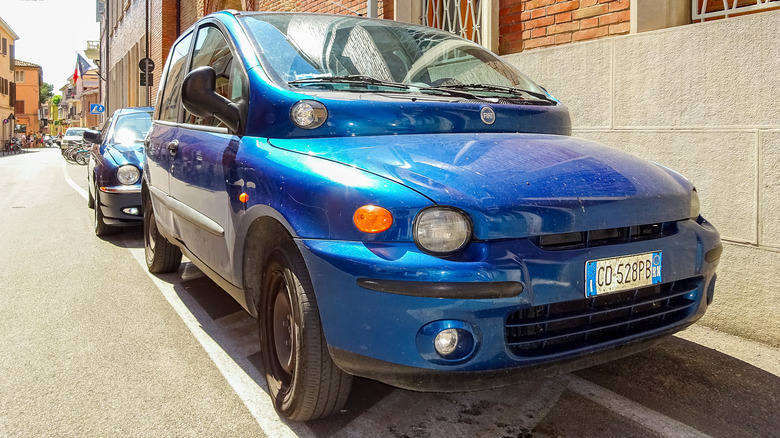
(96, 157)
(201, 170)
(161, 140)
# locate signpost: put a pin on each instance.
(96, 108)
(147, 77)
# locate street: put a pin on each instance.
(93, 345)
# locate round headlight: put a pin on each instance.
(308, 114)
(128, 174)
(442, 230)
(695, 204)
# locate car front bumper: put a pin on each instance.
(527, 316)
(121, 205)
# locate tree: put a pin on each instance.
(46, 91)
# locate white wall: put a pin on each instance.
(703, 99)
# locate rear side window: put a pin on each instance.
(169, 106)
(211, 49)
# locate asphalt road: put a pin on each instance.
(92, 345)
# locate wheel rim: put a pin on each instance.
(150, 228)
(97, 209)
(150, 238)
(281, 332)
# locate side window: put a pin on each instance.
(169, 106)
(104, 129)
(212, 50)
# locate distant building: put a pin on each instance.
(76, 99)
(28, 78)
(7, 39)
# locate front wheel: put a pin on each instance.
(303, 381)
(161, 255)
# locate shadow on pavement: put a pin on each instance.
(701, 387)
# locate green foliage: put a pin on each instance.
(46, 91)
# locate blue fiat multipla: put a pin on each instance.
(394, 202)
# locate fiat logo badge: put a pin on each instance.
(487, 115)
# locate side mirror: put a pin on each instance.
(92, 136)
(199, 96)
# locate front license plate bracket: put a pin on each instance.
(616, 274)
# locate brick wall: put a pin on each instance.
(344, 7)
(528, 24)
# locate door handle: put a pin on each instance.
(173, 147)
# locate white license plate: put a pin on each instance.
(622, 273)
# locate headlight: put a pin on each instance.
(695, 204)
(128, 174)
(442, 230)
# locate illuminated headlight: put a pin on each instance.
(695, 204)
(128, 174)
(308, 114)
(442, 230)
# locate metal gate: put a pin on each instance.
(461, 17)
(704, 9)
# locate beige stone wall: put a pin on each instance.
(701, 99)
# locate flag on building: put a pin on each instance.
(82, 65)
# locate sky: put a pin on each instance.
(51, 32)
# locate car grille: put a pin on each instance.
(609, 236)
(560, 327)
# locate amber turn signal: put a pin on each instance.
(243, 197)
(372, 219)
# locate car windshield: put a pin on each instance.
(74, 132)
(354, 54)
(130, 130)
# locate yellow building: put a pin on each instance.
(28, 78)
(7, 39)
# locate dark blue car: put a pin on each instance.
(397, 203)
(115, 167)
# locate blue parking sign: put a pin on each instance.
(96, 108)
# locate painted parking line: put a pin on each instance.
(650, 419)
(248, 388)
(72, 183)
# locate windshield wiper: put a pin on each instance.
(370, 80)
(350, 79)
(498, 88)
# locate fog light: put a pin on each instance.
(446, 342)
(308, 114)
(132, 210)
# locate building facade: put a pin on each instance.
(7, 89)
(28, 78)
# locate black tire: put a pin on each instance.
(101, 228)
(90, 199)
(161, 255)
(303, 381)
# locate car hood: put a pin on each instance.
(125, 155)
(517, 185)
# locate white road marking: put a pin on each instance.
(72, 183)
(251, 392)
(636, 412)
